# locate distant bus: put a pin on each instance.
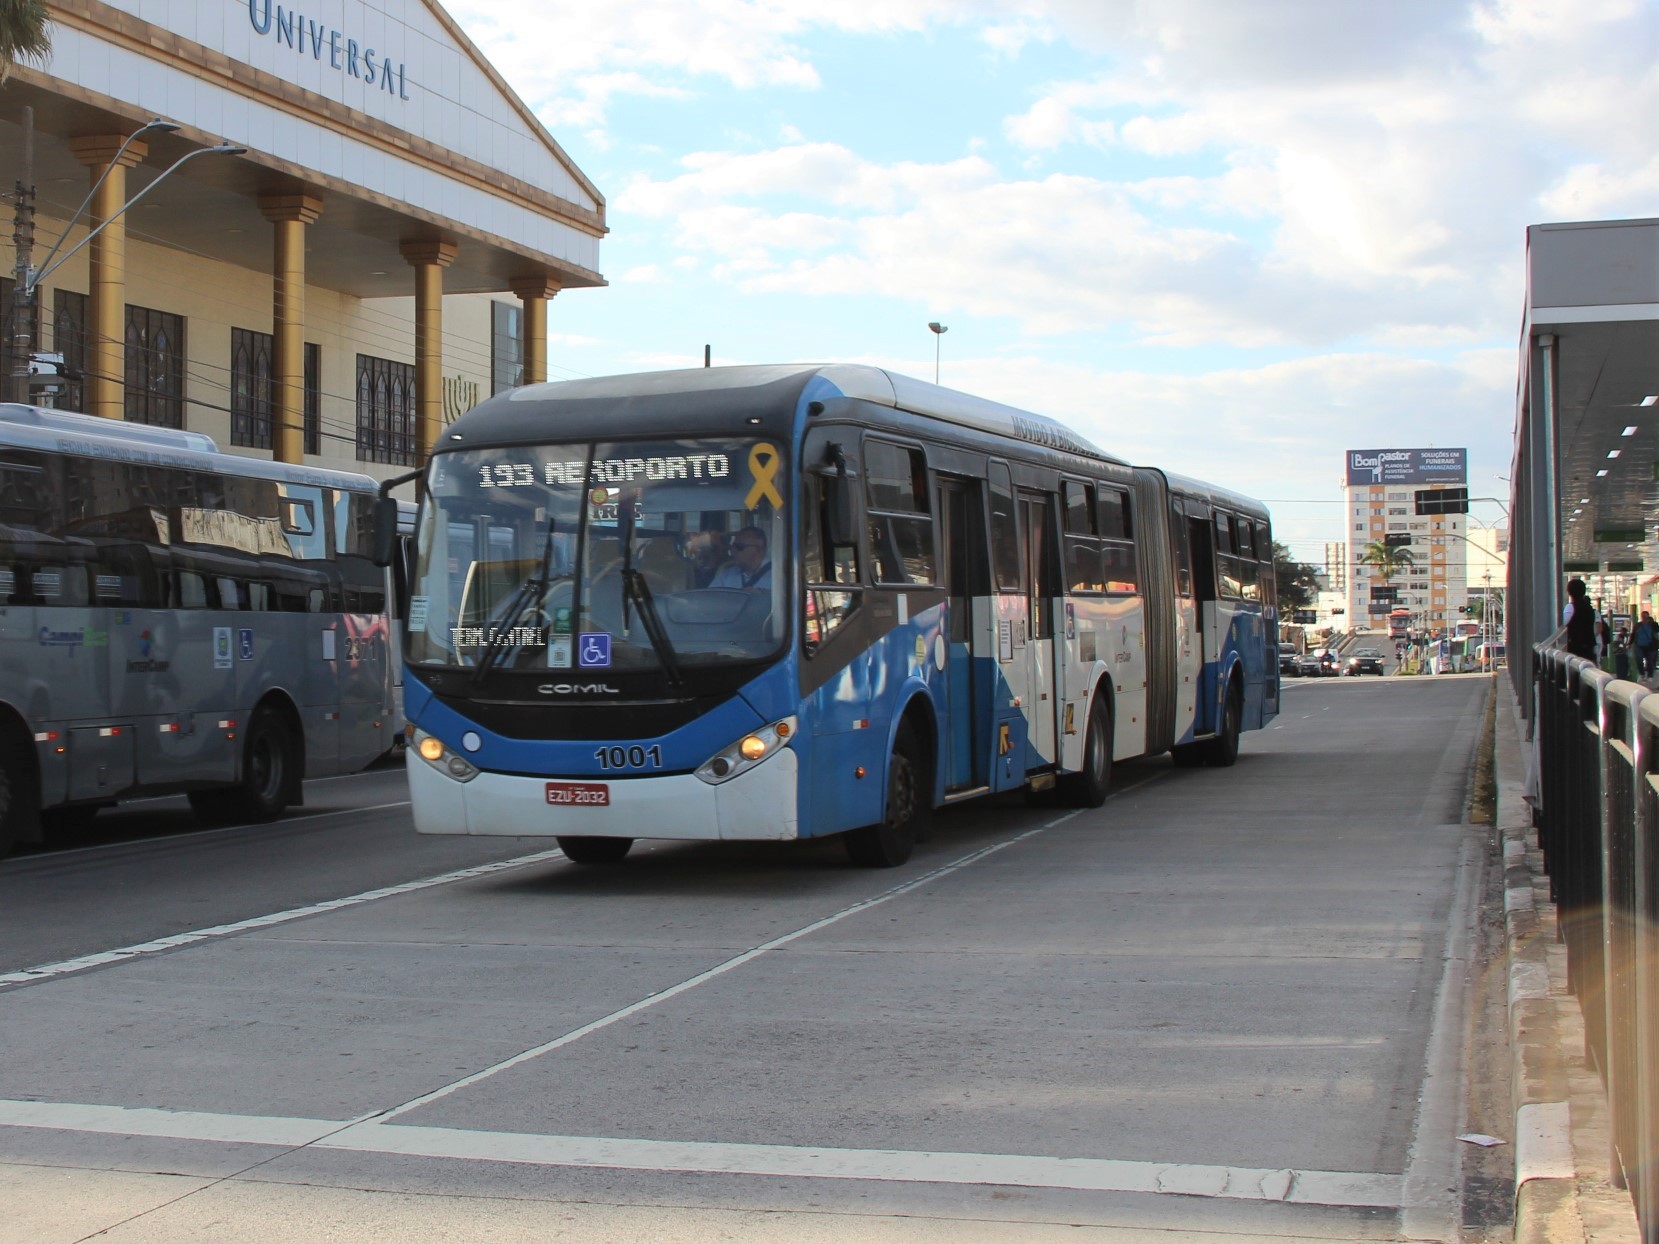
(787, 602)
(1399, 623)
(174, 619)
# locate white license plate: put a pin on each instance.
(579, 794)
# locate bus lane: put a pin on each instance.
(1206, 1005)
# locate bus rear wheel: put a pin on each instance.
(1088, 788)
(269, 757)
(1223, 749)
(589, 850)
(888, 843)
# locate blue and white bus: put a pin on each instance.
(177, 619)
(783, 602)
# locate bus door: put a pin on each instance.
(964, 714)
(1207, 635)
(1042, 686)
(1189, 638)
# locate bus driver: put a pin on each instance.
(750, 570)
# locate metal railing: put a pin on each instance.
(1598, 827)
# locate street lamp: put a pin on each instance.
(29, 277)
(939, 330)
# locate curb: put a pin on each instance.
(1559, 1109)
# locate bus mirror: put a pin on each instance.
(385, 531)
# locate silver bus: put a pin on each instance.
(177, 619)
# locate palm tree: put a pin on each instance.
(1387, 559)
(25, 33)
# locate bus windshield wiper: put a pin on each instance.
(533, 588)
(637, 590)
(635, 587)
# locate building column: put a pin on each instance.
(535, 292)
(429, 259)
(106, 329)
(290, 214)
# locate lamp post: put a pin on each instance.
(939, 330)
(29, 278)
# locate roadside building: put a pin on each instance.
(1382, 506)
(379, 258)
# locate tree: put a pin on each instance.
(25, 33)
(1387, 559)
(1297, 582)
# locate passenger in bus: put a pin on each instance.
(706, 551)
(750, 570)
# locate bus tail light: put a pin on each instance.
(747, 752)
(450, 764)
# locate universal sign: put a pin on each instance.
(1407, 466)
(309, 37)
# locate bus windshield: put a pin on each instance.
(650, 556)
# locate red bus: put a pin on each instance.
(1399, 621)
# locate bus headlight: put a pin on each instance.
(450, 764)
(747, 752)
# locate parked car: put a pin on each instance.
(1364, 661)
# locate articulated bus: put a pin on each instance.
(177, 619)
(785, 602)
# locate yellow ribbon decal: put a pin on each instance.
(764, 464)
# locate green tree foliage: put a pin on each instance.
(25, 33)
(1298, 582)
(1386, 559)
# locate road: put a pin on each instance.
(1230, 1002)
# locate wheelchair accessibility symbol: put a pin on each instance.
(594, 651)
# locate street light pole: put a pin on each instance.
(29, 278)
(23, 236)
(939, 330)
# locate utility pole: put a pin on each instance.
(23, 292)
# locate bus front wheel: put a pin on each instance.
(889, 843)
(590, 850)
(269, 755)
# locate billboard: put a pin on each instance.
(1407, 466)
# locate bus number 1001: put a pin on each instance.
(629, 757)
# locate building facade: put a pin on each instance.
(316, 234)
(1382, 507)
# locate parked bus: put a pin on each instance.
(785, 602)
(1399, 623)
(177, 619)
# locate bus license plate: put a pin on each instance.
(586, 794)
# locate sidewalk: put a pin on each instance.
(1562, 1191)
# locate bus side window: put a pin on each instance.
(1244, 564)
(830, 569)
(1183, 552)
(1083, 569)
(1005, 531)
(901, 525)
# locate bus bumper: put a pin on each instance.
(759, 805)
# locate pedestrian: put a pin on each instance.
(1580, 619)
(1646, 642)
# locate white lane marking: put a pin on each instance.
(720, 969)
(48, 971)
(230, 1129)
(1301, 1187)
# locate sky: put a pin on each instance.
(1229, 239)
